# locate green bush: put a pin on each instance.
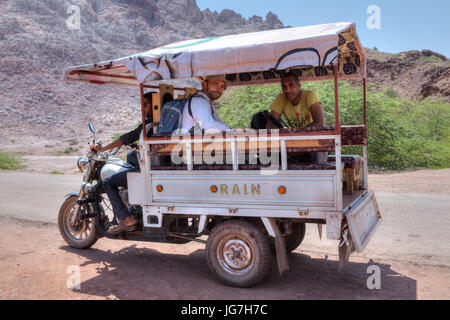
(402, 133)
(11, 162)
(56, 172)
(70, 150)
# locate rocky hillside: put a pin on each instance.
(37, 109)
(413, 74)
(36, 45)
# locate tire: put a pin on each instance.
(296, 237)
(73, 235)
(238, 253)
(293, 240)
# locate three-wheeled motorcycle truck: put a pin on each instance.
(243, 192)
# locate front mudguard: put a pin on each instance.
(76, 194)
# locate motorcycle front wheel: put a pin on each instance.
(80, 234)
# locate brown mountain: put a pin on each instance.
(36, 45)
(412, 74)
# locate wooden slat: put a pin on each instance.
(156, 106)
(245, 147)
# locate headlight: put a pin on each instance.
(82, 163)
(87, 187)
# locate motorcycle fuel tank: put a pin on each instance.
(113, 166)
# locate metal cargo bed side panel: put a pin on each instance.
(303, 191)
(363, 217)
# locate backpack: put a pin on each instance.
(259, 120)
(172, 115)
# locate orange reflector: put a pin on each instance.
(281, 190)
(159, 188)
(213, 189)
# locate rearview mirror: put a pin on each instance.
(91, 126)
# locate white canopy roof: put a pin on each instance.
(249, 58)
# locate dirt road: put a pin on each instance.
(411, 247)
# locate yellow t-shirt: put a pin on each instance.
(298, 116)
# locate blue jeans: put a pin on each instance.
(112, 184)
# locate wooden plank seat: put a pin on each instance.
(351, 164)
(311, 166)
(251, 132)
(328, 129)
(299, 162)
(221, 167)
(293, 146)
(352, 171)
(169, 167)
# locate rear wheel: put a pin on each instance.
(293, 240)
(238, 253)
(293, 236)
(80, 234)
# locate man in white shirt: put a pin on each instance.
(203, 115)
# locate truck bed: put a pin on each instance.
(347, 199)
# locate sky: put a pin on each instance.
(389, 25)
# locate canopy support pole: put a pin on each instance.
(365, 101)
(144, 129)
(365, 153)
(338, 144)
(336, 99)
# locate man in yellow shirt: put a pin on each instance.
(301, 109)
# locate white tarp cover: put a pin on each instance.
(252, 52)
